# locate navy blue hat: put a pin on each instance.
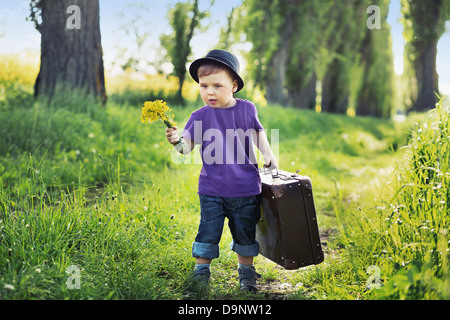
(222, 56)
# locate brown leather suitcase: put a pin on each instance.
(288, 232)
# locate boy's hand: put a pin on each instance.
(270, 162)
(172, 135)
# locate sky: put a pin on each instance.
(18, 35)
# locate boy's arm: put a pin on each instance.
(185, 147)
(263, 145)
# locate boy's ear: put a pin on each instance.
(235, 86)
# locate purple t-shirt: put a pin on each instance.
(225, 136)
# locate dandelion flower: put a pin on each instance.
(155, 111)
(8, 287)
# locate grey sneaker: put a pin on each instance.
(198, 281)
(247, 279)
(201, 276)
(197, 284)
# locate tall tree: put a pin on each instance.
(226, 33)
(343, 43)
(184, 18)
(133, 25)
(281, 61)
(71, 50)
(375, 97)
(303, 42)
(297, 44)
(424, 23)
(276, 77)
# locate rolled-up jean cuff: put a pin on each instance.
(246, 251)
(205, 250)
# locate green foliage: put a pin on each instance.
(420, 23)
(376, 92)
(82, 185)
(296, 43)
(417, 220)
(284, 39)
(127, 216)
(73, 134)
(14, 94)
(423, 25)
(125, 246)
(177, 44)
(406, 234)
(261, 26)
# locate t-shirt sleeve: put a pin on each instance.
(257, 124)
(189, 129)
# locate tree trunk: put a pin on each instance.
(427, 77)
(304, 97)
(71, 51)
(180, 98)
(376, 90)
(335, 91)
(196, 16)
(301, 76)
(276, 91)
(424, 23)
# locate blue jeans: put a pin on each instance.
(243, 215)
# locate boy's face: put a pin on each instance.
(217, 89)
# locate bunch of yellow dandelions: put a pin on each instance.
(156, 111)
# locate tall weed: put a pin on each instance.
(406, 237)
(76, 134)
(124, 244)
(90, 186)
(417, 218)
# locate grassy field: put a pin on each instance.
(91, 194)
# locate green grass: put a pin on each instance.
(93, 187)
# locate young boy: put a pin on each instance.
(229, 183)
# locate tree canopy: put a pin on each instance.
(310, 54)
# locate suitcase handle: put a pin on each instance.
(268, 167)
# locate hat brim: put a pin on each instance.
(193, 70)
